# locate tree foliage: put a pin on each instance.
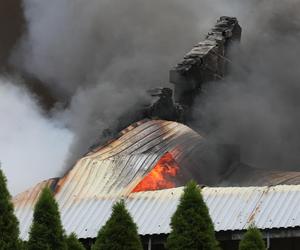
(9, 226)
(23, 245)
(46, 231)
(252, 240)
(191, 225)
(73, 243)
(119, 232)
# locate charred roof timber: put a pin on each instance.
(207, 61)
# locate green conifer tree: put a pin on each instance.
(46, 231)
(119, 232)
(23, 245)
(73, 243)
(252, 240)
(191, 225)
(9, 226)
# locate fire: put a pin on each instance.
(161, 175)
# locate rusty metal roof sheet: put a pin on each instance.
(243, 175)
(110, 172)
(230, 209)
(86, 193)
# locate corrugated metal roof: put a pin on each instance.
(110, 172)
(86, 193)
(243, 175)
(230, 209)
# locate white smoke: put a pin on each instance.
(32, 147)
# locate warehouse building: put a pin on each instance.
(148, 163)
(122, 170)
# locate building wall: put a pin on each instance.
(285, 244)
(275, 244)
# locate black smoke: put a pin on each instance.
(100, 57)
(92, 62)
(257, 106)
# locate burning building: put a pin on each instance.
(148, 162)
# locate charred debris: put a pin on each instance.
(207, 61)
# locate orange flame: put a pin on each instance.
(160, 176)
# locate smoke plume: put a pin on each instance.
(257, 106)
(32, 147)
(98, 57)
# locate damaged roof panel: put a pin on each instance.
(86, 193)
(110, 172)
